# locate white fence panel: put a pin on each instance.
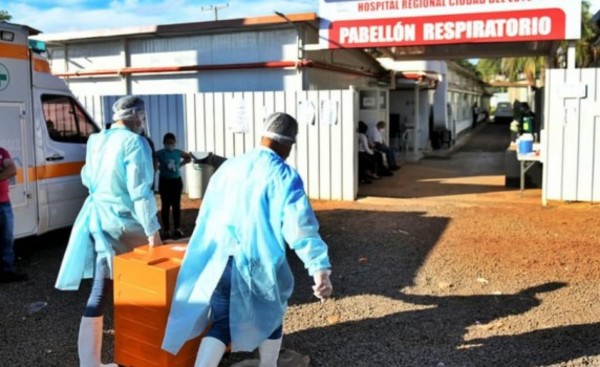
(587, 142)
(326, 151)
(325, 154)
(572, 136)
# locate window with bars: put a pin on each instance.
(66, 121)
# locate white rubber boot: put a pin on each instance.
(89, 343)
(269, 352)
(210, 352)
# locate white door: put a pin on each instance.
(64, 131)
(22, 190)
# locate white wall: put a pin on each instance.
(403, 103)
(373, 106)
(208, 50)
(325, 79)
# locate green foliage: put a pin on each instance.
(5, 16)
(489, 68)
(533, 68)
(468, 65)
(517, 68)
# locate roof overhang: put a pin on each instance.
(473, 50)
(418, 79)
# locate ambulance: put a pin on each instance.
(45, 130)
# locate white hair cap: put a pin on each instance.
(281, 128)
(127, 107)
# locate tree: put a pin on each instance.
(530, 68)
(533, 68)
(489, 69)
(586, 49)
(467, 65)
(4, 16)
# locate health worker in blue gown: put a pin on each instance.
(235, 274)
(118, 215)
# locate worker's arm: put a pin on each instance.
(140, 178)
(301, 229)
(186, 158)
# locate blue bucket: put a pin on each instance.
(525, 146)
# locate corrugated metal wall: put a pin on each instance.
(165, 113)
(571, 140)
(214, 48)
(325, 155)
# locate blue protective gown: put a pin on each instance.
(120, 211)
(253, 206)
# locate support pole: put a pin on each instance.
(416, 154)
(417, 122)
(571, 60)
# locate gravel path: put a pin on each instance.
(472, 278)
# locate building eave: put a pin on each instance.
(177, 28)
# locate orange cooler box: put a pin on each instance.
(144, 281)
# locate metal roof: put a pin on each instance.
(441, 52)
(178, 28)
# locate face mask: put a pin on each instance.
(141, 128)
(169, 146)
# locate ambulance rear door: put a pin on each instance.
(16, 125)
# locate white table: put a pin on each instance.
(527, 161)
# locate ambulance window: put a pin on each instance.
(66, 120)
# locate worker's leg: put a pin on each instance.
(7, 221)
(176, 203)
(213, 344)
(89, 344)
(390, 156)
(164, 188)
(269, 349)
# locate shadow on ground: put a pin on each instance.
(435, 335)
(392, 256)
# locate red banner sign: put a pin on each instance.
(508, 26)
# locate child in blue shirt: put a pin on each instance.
(170, 185)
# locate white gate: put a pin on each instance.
(572, 136)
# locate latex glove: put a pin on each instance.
(322, 288)
(154, 240)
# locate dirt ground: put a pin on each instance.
(456, 270)
(440, 265)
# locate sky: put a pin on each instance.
(54, 16)
(594, 6)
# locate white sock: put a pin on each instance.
(210, 352)
(89, 342)
(269, 352)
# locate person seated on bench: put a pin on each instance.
(369, 153)
(367, 166)
(376, 140)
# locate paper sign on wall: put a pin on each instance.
(240, 123)
(306, 113)
(329, 112)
